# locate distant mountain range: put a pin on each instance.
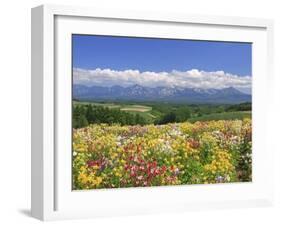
(165, 94)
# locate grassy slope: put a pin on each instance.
(142, 110)
(151, 114)
(223, 116)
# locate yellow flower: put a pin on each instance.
(117, 174)
(83, 178)
(95, 167)
(116, 147)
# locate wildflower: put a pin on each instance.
(180, 153)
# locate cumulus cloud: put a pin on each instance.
(186, 79)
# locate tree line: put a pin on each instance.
(83, 115)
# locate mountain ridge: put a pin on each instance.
(136, 92)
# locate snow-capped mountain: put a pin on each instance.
(167, 94)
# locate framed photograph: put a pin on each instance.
(137, 112)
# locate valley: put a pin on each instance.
(132, 113)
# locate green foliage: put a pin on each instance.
(89, 114)
(222, 116)
(168, 118)
(79, 117)
(240, 107)
(139, 120)
(142, 113)
(180, 114)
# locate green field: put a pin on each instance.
(108, 105)
(153, 112)
(122, 107)
(142, 110)
(135, 108)
(223, 116)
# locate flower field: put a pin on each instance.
(173, 154)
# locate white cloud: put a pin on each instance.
(188, 79)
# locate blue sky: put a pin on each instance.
(108, 60)
(147, 54)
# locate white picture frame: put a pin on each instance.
(52, 197)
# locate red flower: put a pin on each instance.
(163, 168)
(91, 163)
(193, 143)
